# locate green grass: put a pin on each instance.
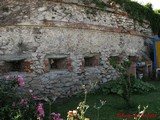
(114, 105)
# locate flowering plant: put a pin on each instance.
(16, 100)
(55, 116)
(19, 103)
(79, 114)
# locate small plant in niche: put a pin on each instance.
(114, 60)
(57, 63)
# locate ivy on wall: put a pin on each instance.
(140, 12)
(101, 4)
(98, 3)
(136, 11)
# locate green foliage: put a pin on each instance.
(11, 105)
(157, 11)
(138, 87)
(126, 85)
(135, 11)
(19, 116)
(112, 61)
(7, 93)
(100, 4)
(140, 12)
(142, 87)
(149, 5)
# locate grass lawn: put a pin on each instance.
(114, 105)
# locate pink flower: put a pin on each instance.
(35, 97)
(30, 90)
(56, 116)
(40, 109)
(20, 81)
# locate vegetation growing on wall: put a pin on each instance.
(141, 13)
(98, 3)
(136, 11)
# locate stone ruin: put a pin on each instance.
(58, 46)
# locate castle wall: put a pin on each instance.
(62, 46)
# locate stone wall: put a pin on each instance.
(62, 46)
(36, 13)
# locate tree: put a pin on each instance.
(157, 11)
(149, 6)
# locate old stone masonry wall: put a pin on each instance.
(57, 46)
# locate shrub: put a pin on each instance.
(138, 86)
(126, 84)
(142, 87)
(16, 102)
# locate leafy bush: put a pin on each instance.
(126, 85)
(142, 87)
(16, 102)
(7, 94)
(138, 86)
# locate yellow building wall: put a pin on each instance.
(158, 53)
